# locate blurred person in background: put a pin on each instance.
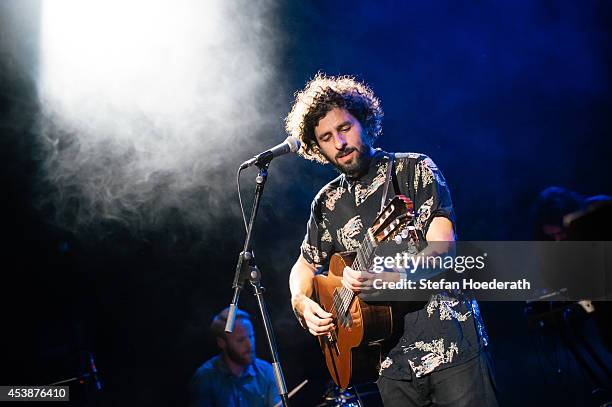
(235, 377)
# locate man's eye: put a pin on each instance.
(346, 128)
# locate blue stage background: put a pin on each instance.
(506, 97)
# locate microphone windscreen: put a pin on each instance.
(294, 143)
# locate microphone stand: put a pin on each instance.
(247, 270)
(92, 374)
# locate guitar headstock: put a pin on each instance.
(393, 219)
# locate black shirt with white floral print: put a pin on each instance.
(448, 330)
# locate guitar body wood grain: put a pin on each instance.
(353, 352)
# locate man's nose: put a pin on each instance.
(340, 141)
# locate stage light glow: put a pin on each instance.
(133, 89)
(134, 55)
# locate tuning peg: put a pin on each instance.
(405, 233)
(398, 239)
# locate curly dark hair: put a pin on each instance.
(320, 95)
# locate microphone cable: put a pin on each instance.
(246, 227)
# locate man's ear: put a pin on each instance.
(221, 343)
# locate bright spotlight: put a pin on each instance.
(154, 87)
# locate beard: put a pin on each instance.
(357, 166)
(241, 358)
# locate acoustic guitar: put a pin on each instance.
(354, 349)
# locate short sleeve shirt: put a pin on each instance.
(449, 329)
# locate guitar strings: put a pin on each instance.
(343, 301)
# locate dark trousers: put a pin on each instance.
(468, 384)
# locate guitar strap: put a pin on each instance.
(391, 176)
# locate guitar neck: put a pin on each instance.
(387, 225)
(363, 261)
(365, 253)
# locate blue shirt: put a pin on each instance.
(214, 385)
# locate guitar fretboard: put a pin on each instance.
(363, 260)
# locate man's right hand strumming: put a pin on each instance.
(311, 315)
(317, 320)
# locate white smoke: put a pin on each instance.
(151, 105)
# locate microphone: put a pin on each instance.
(290, 145)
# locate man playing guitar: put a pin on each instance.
(440, 358)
